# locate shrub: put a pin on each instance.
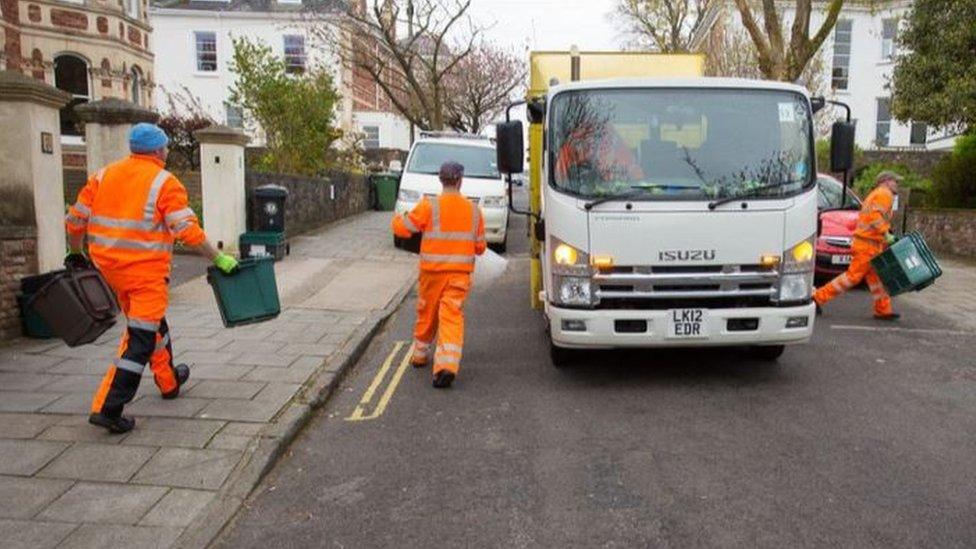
(864, 182)
(955, 176)
(823, 155)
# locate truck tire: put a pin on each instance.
(561, 357)
(502, 246)
(768, 353)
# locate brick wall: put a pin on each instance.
(18, 258)
(309, 204)
(950, 231)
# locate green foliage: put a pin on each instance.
(184, 149)
(935, 82)
(823, 155)
(955, 176)
(864, 182)
(295, 111)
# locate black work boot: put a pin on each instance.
(443, 379)
(889, 317)
(115, 424)
(182, 374)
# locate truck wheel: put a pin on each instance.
(560, 356)
(502, 246)
(768, 352)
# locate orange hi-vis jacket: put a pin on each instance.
(874, 220)
(453, 228)
(132, 211)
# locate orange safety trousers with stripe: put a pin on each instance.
(454, 233)
(131, 213)
(873, 223)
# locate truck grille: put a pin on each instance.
(714, 287)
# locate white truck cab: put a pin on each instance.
(483, 184)
(676, 212)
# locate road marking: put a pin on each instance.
(359, 413)
(897, 329)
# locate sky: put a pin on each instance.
(549, 24)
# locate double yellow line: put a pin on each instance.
(359, 414)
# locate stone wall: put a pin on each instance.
(919, 161)
(951, 231)
(310, 204)
(18, 258)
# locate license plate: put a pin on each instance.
(687, 323)
(841, 259)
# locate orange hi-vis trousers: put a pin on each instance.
(146, 340)
(860, 269)
(440, 310)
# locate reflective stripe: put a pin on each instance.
(82, 209)
(440, 258)
(435, 214)
(449, 347)
(182, 226)
(179, 215)
(449, 235)
(157, 185)
(841, 283)
(475, 220)
(447, 360)
(146, 245)
(130, 366)
(162, 343)
(417, 344)
(75, 220)
(117, 223)
(152, 326)
(409, 224)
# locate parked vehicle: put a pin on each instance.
(837, 222)
(675, 210)
(483, 183)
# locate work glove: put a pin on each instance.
(890, 239)
(76, 260)
(226, 263)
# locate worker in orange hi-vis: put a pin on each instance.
(871, 237)
(453, 234)
(131, 212)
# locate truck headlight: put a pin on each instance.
(572, 282)
(407, 195)
(494, 202)
(575, 291)
(796, 278)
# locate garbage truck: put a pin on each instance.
(668, 209)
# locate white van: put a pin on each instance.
(483, 183)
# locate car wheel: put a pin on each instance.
(561, 357)
(768, 353)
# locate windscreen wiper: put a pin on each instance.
(752, 193)
(638, 191)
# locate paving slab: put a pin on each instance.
(278, 392)
(69, 403)
(23, 425)
(104, 503)
(279, 360)
(177, 508)
(310, 349)
(200, 344)
(23, 534)
(229, 442)
(259, 411)
(241, 429)
(82, 432)
(22, 498)
(22, 381)
(218, 371)
(169, 439)
(26, 457)
(226, 389)
(181, 425)
(245, 345)
(153, 405)
(188, 468)
(102, 535)
(209, 357)
(74, 383)
(14, 401)
(81, 366)
(298, 372)
(15, 361)
(98, 462)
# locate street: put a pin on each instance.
(861, 438)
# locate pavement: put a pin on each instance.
(183, 472)
(861, 438)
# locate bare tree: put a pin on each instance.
(778, 59)
(412, 70)
(668, 26)
(481, 86)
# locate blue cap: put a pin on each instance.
(145, 137)
(451, 171)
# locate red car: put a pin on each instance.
(837, 222)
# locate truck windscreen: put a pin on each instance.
(478, 162)
(680, 143)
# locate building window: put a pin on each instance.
(372, 137)
(71, 75)
(882, 132)
(135, 85)
(920, 133)
(234, 115)
(889, 32)
(294, 53)
(840, 72)
(133, 8)
(206, 51)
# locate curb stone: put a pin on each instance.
(263, 452)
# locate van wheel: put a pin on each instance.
(502, 246)
(767, 352)
(562, 357)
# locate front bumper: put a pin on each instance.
(496, 220)
(601, 333)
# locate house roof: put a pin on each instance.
(255, 6)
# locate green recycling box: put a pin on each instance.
(249, 294)
(907, 265)
(264, 243)
(386, 190)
